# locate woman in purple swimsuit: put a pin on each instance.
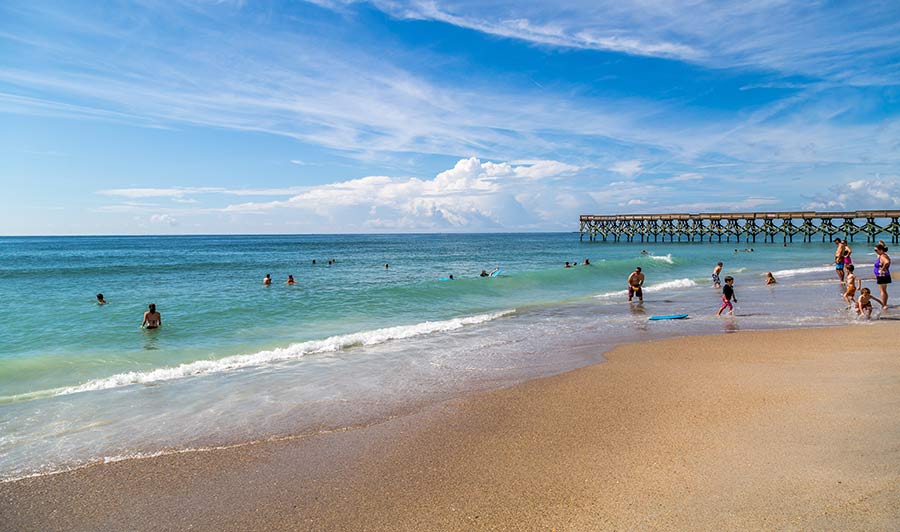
(882, 272)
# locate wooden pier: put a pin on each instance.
(749, 225)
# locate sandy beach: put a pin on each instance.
(762, 430)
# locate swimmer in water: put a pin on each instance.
(567, 265)
(290, 280)
(587, 262)
(770, 279)
(152, 319)
(450, 277)
(100, 300)
(483, 273)
(386, 266)
(267, 280)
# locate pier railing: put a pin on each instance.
(725, 226)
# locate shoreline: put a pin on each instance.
(667, 434)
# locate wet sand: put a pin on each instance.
(765, 430)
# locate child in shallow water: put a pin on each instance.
(770, 279)
(864, 303)
(727, 296)
(853, 284)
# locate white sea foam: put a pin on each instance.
(739, 270)
(291, 352)
(668, 285)
(663, 258)
(801, 271)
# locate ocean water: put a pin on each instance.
(351, 342)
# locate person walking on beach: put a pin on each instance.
(715, 275)
(635, 285)
(882, 271)
(853, 284)
(839, 258)
(152, 319)
(727, 296)
(267, 280)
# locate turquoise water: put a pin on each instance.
(236, 360)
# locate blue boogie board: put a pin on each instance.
(496, 273)
(668, 317)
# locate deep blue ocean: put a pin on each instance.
(351, 342)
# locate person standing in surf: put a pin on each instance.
(839, 258)
(635, 285)
(152, 319)
(882, 272)
(715, 275)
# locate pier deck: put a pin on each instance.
(749, 225)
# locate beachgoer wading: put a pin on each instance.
(839, 257)
(635, 284)
(152, 319)
(882, 272)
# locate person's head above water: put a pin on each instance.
(99, 297)
(638, 269)
(152, 307)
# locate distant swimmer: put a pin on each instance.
(386, 266)
(152, 319)
(314, 261)
(290, 280)
(483, 273)
(100, 300)
(770, 279)
(587, 262)
(635, 284)
(450, 277)
(643, 252)
(267, 280)
(715, 275)
(567, 265)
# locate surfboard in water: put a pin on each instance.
(668, 317)
(496, 273)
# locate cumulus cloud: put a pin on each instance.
(473, 195)
(879, 192)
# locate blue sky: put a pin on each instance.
(152, 117)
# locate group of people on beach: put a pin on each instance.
(843, 265)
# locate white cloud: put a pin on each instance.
(628, 169)
(879, 192)
(684, 178)
(164, 219)
(473, 195)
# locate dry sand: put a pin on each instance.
(771, 430)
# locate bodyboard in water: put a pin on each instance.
(668, 317)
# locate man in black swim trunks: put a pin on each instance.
(635, 282)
